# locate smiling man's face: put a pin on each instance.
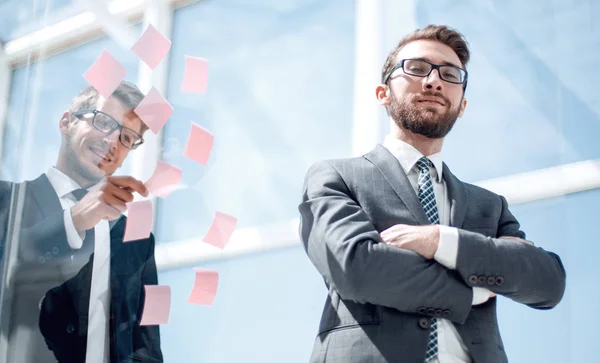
(428, 106)
(90, 153)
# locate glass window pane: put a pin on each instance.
(258, 295)
(18, 17)
(279, 98)
(565, 226)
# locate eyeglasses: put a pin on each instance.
(421, 68)
(106, 124)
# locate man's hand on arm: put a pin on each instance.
(107, 200)
(516, 239)
(423, 240)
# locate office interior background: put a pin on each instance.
(292, 82)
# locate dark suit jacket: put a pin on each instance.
(381, 298)
(43, 251)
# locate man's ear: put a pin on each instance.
(64, 122)
(382, 92)
(463, 105)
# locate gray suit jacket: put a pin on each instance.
(381, 298)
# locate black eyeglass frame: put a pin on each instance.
(400, 65)
(118, 126)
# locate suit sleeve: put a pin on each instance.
(522, 272)
(344, 246)
(146, 339)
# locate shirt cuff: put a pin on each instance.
(447, 250)
(74, 238)
(480, 295)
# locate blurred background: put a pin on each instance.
(292, 82)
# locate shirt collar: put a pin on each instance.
(61, 183)
(408, 156)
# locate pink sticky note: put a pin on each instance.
(221, 229)
(157, 305)
(199, 144)
(164, 180)
(154, 110)
(205, 287)
(152, 47)
(105, 74)
(196, 75)
(139, 220)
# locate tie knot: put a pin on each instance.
(79, 193)
(423, 164)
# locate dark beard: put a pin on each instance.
(426, 121)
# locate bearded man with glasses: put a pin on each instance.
(76, 291)
(412, 257)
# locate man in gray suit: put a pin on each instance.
(413, 258)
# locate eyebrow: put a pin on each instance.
(446, 63)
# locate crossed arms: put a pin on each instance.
(354, 260)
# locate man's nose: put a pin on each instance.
(112, 139)
(433, 81)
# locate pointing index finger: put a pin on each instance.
(128, 182)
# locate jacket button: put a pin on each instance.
(473, 279)
(70, 329)
(439, 313)
(491, 281)
(431, 312)
(499, 281)
(482, 279)
(424, 323)
(422, 311)
(447, 313)
(55, 250)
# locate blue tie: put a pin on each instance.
(427, 199)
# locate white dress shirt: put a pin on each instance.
(99, 309)
(451, 348)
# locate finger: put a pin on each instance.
(393, 228)
(114, 202)
(387, 237)
(120, 193)
(129, 182)
(516, 239)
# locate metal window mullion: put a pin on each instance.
(5, 82)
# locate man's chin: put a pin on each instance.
(428, 129)
(93, 171)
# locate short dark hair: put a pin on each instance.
(441, 33)
(127, 93)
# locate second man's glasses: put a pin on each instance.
(107, 124)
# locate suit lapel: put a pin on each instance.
(393, 173)
(44, 195)
(457, 194)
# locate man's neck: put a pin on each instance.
(61, 166)
(424, 144)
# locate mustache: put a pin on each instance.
(433, 94)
